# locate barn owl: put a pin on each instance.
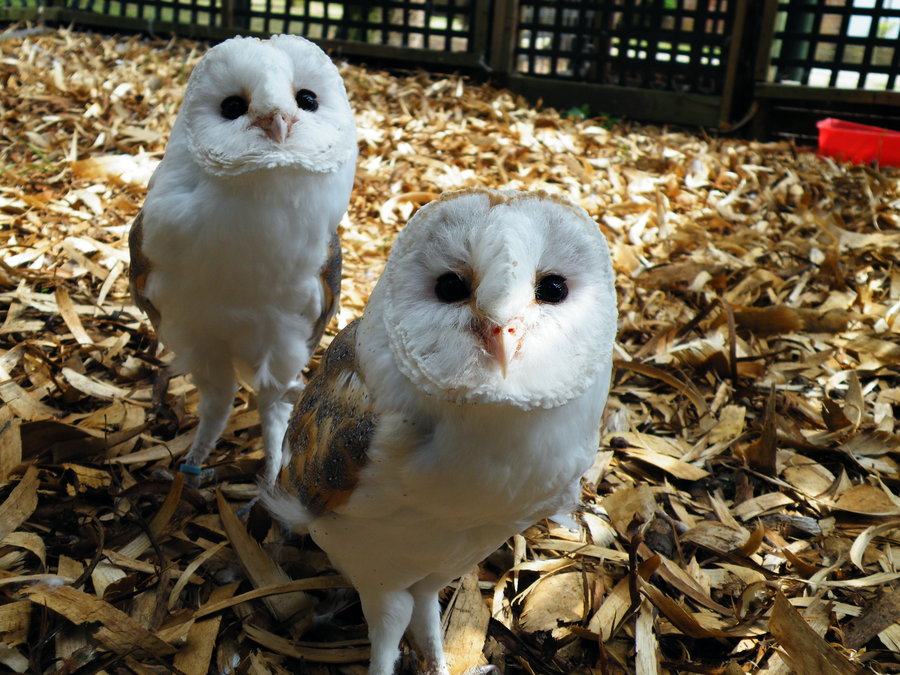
(234, 255)
(462, 407)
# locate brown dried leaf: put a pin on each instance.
(614, 606)
(753, 542)
(20, 503)
(92, 387)
(15, 618)
(716, 536)
(874, 619)
(120, 169)
(627, 505)
(867, 500)
(865, 538)
(760, 455)
(680, 617)
(10, 443)
(670, 465)
(652, 371)
(70, 316)
(194, 657)
(346, 652)
(804, 650)
(803, 568)
(466, 626)
(261, 569)
(872, 442)
(554, 601)
(769, 320)
(118, 632)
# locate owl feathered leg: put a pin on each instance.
(388, 614)
(425, 627)
(275, 405)
(217, 386)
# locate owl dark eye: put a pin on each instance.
(306, 100)
(451, 287)
(234, 107)
(552, 289)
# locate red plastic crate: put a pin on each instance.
(858, 143)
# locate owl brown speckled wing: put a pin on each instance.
(140, 269)
(330, 430)
(330, 277)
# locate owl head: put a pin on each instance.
(501, 298)
(255, 104)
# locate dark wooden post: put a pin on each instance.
(504, 33)
(236, 14)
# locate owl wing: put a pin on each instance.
(330, 430)
(330, 278)
(140, 270)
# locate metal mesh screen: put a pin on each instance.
(850, 44)
(425, 24)
(676, 45)
(439, 25)
(195, 12)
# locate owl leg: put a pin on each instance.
(217, 388)
(425, 627)
(388, 614)
(274, 412)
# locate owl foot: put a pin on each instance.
(474, 670)
(195, 475)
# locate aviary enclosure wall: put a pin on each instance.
(765, 68)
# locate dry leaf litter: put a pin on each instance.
(742, 514)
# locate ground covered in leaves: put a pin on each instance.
(742, 514)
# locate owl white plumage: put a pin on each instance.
(461, 408)
(235, 256)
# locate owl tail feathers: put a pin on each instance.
(286, 508)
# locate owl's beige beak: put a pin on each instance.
(500, 342)
(277, 126)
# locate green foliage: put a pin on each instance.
(578, 112)
(583, 112)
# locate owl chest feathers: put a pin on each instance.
(463, 484)
(473, 466)
(236, 261)
(236, 244)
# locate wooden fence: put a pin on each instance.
(766, 67)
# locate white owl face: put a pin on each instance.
(257, 104)
(503, 298)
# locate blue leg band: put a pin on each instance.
(190, 469)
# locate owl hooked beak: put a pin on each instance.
(277, 126)
(500, 342)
